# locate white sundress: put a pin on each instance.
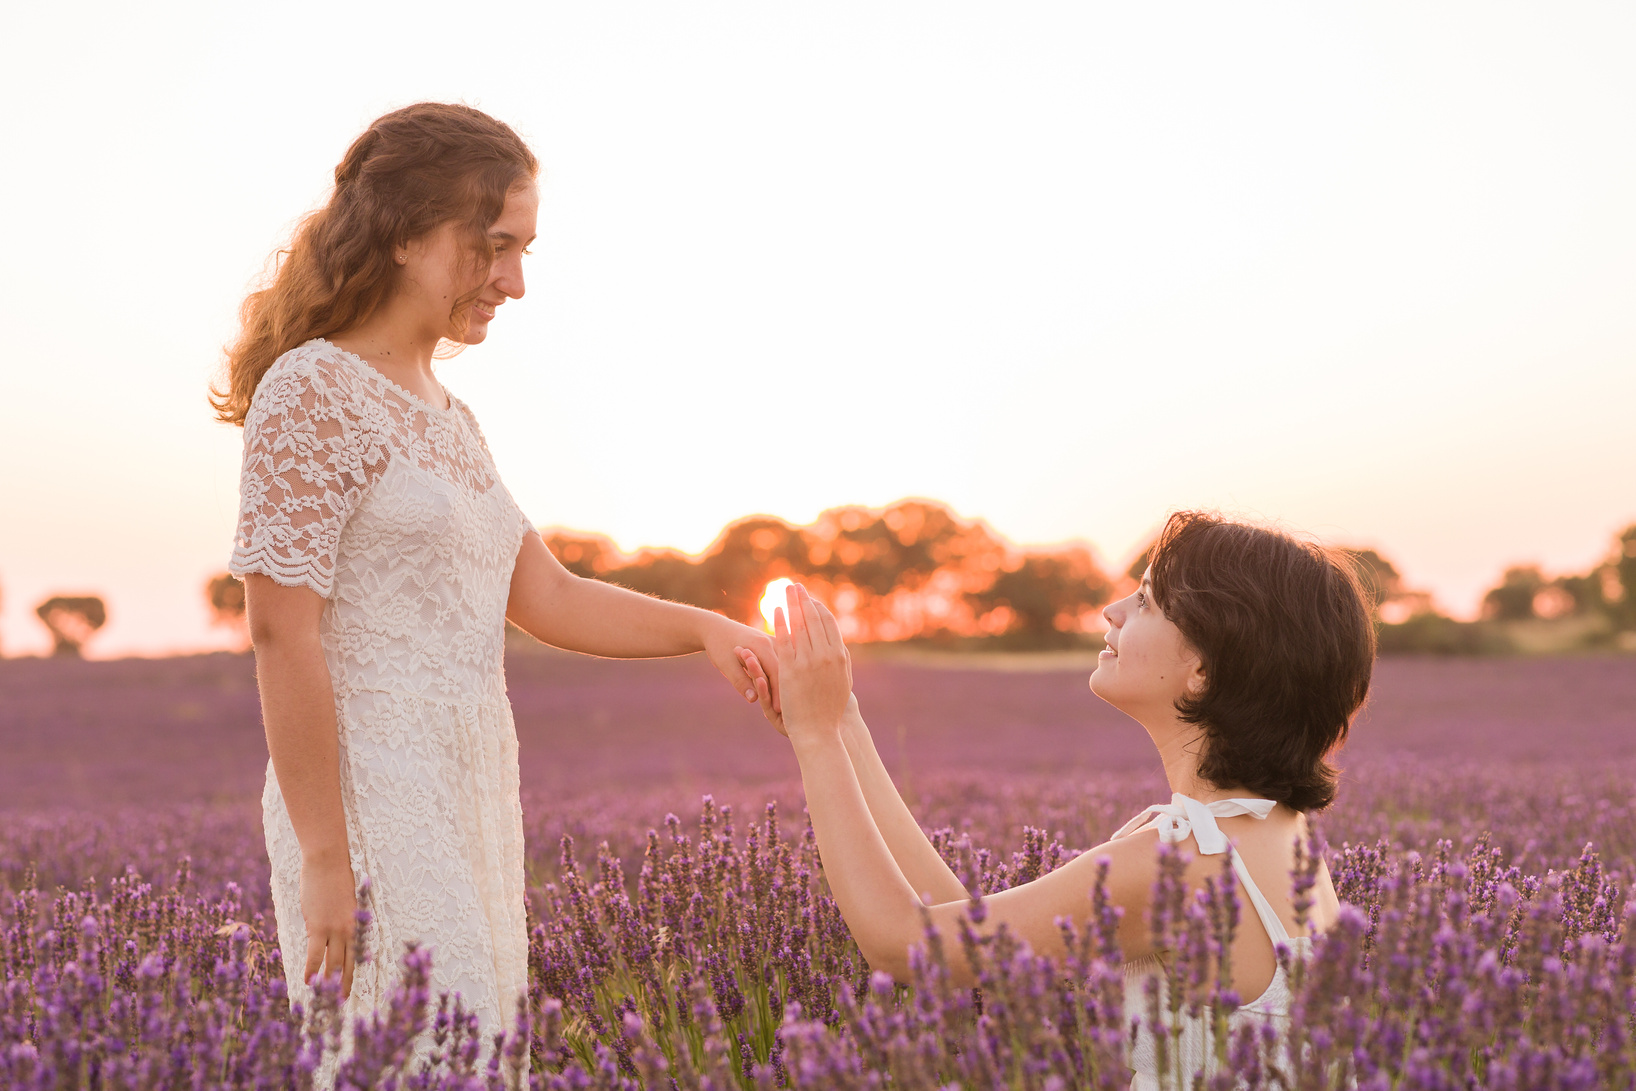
(391, 509)
(1193, 1052)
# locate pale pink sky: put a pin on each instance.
(1368, 272)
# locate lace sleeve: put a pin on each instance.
(310, 455)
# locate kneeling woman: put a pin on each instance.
(1244, 653)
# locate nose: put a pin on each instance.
(509, 278)
(1113, 613)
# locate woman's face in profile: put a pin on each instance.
(437, 271)
(1148, 664)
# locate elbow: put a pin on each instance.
(894, 964)
(889, 954)
(263, 633)
(282, 619)
(271, 631)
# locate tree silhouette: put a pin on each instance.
(1513, 599)
(1380, 578)
(225, 594)
(1048, 595)
(1624, 582)
(912, 570)
(73, 620)
(587, 555)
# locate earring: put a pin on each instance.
(401, 258)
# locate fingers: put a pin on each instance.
(315, 958)
(832, 628)
(809, 616)
(752, 665)
(769, 667)
(800, 631)
(764, 690)
(346, 971)
(819, 623)
(733, 671)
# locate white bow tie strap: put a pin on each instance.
(1185, 816)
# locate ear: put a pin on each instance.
(1196, 680)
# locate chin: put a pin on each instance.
(1105, 687)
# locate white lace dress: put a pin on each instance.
(391, 509)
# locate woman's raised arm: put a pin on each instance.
(870, 885)
(922, 865)
(566, 611)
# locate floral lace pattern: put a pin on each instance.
(392, 510)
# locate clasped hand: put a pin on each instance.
(814, 670)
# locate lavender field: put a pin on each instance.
(1484, 946)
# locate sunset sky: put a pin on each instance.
(1366, 270)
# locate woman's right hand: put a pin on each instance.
(329, 905)
(852, 725)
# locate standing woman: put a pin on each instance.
(381, 557)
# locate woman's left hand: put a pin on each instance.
(814, 668)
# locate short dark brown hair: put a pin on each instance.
(1287, 647)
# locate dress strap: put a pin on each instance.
(1184, 816)
(1263, 909)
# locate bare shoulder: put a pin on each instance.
(1133, 865)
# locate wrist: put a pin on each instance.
(326, 858)
(855, 734)
(710, 627)
(814, 737)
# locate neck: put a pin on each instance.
(1179, 747)
(393, 342)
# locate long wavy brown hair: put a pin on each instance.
(412, 171)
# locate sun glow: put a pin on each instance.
(773, 597)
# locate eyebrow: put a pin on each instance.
(507, 236)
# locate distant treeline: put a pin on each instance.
(1526, 612)
(913, 571)
(917, 571)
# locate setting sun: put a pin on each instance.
(771, 598)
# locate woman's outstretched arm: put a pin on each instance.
(566, 611)
(881, 908)
(921, 864)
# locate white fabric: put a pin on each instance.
(392, 510)
(1185, 817)
(1193, 1050)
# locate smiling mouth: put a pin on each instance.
(483, 310)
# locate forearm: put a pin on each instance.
(582, 615)
(881, 909)
(916, 858)
(298, 709)
(585, 615)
